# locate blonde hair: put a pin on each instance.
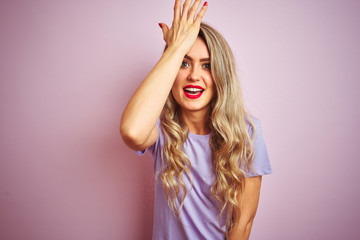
(230, 141)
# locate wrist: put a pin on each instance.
(175, 50)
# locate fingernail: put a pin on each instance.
(205, 4)
(160, 25)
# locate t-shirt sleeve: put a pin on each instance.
(261, 163)
(154, 149)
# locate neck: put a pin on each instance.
(197, 122)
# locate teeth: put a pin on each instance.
(193, 89)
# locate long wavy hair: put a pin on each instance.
(230, 142)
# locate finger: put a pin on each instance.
(201, 13)
(177, 10)
(185, 9)
(193, 10)
(165, 30)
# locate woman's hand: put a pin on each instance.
(185, 26)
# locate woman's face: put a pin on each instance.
(194, 88)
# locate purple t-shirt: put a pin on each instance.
(200, 211)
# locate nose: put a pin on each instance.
(194, 74)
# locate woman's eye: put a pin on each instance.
(184, 64)
(207, 65)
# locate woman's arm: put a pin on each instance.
(248, 205)
(138, 122)
(137, 126)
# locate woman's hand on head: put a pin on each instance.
(185, 26)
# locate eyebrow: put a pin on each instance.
(201, 60)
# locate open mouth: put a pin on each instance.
(193, 92)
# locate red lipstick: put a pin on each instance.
(193, 91)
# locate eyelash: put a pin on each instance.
(206, 65)
(183, 64)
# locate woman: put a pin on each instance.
(209, 154)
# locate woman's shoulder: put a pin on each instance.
(254, 120)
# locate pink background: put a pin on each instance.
(69, 67)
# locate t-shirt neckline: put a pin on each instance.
(196, 136)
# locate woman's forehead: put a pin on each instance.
(199, 50)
